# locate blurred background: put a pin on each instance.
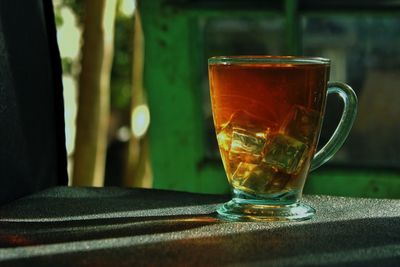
(148, 121)
(125, 117)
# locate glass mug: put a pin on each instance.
(268, 113)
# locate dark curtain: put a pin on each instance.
(32, 139)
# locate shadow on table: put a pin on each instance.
(14, 234)
(79, 202)
(73, 214)
(359, 242)
(63, 215)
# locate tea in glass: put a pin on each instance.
(268, 113)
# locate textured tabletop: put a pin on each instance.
(66, 226)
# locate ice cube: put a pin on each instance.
(301, 124)
(278, 183)
(242, 171)
(247, 146)
(224, 138)
(259, 179)
(285, 153)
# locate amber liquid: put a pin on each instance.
(267, 119)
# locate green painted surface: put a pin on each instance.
(173, 64)
(173, 54)
(176, 141)
(213, 179)
(292, 26)
(355, 183)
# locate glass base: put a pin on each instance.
(247, 210)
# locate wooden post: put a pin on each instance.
(137, 169)
(94, 93)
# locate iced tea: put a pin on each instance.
(267, 118)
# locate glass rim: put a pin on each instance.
(259, 59)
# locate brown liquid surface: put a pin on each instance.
(267, 119)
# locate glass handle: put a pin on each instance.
(346, 122)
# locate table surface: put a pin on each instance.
(72, 226)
